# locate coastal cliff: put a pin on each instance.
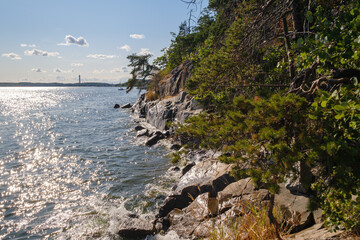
(206, 198)
(278, 82)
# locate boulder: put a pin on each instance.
(187, 168)
(116, 106)
(295, 210)
(139, 127)
(143, 132)
(127, 105)
(133, 227)
(293, 207)
(317, 232)
(209, 176)
(154, 139)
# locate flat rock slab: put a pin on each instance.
(135, 228)
(127, 105)
(205, 173)
(316, 232)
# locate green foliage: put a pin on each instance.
(185, 42)
(266, 138)
(266, 134)
(337, 118)
(336, 44)
(233, 65)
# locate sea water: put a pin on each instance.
(70, 164)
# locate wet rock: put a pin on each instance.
(187, 168)
(127, 105)
(139, 127)
(116, 106)
(174, 169)
(154, 139)
(135, 228)
(175, 147)
(143, 132)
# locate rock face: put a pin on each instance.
(175, 82)
(160, 112)
(206, 197)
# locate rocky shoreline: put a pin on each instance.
(206, 197)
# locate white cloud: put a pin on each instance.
(37, 52)
(27, 45)
(119, 70)
(59, 70)
(75, 41)
(97, 71)
(101, 56)
(12, 56)
(137, 36)
(145, 51)
(38, 70)
(77, 64)
(125, 47)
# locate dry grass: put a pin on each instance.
(252, 224)
(151, 96)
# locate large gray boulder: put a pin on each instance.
(135, 227)
(207, 212)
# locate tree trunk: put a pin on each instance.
(271, 217)
(288, 48)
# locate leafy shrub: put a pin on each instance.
(337, 118)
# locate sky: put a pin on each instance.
(58, 40)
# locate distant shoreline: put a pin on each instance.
(29, 84)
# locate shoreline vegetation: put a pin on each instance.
(271, 89)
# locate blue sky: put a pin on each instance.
(56, 40)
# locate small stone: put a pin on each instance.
(175, 147)
(154, 139)
(174, 169)
(139, 127)
(187, 168)
(143, 132)
(128, 105)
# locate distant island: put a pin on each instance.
(30, 84)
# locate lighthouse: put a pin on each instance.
(79, 80)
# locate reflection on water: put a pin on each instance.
(69, 165)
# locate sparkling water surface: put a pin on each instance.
(70, 165)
